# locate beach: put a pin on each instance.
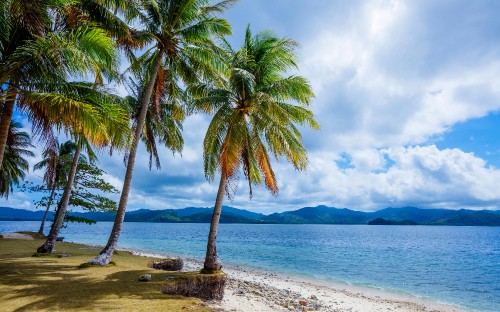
(251, 290)
(246, 289)
(272, 273)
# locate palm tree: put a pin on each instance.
(112, 129)
(15, 166)
(38, 55)
(256, 109)
(163, 121)
(180, 35)
(55, 163)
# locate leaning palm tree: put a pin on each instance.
(15, 166)
(180, 35)
(39, 55)
(163, 121)
(112, 129)
(257, 110)
(55, 163)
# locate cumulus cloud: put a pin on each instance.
(378, 83)
(17, 200)
(420, 175)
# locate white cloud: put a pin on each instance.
(422, 175)
(17, 200)
(373, 83)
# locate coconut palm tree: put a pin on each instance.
(15, 166)
(38, 55)
(179, 34)
(163, 121)
(112, 130)
(257, 110)
(55, 163)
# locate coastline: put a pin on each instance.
(251, 290)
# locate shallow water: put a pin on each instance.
(458, 265)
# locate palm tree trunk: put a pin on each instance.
(106, 254)
(48, 246)
(42, 226)
(212, 261)
(8, 109)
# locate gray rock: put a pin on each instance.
(62, 255)
(169, 264)
(145, 278)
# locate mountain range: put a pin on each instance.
(306, 215)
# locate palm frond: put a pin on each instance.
(15, 165)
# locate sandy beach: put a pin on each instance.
(250, 290)
(254, 290)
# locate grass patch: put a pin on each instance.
(44, 255)
(90, 265)
(195, 284)
(207, 271)
(57, 284)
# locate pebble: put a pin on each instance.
(286, 298)
(145, 278)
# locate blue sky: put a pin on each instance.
(407, 95)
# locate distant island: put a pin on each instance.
(382, 221)
(306, 215)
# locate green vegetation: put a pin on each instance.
(205, 285)
(13, 169)
(309, 215)
(44, 49)
(57, 284)
(380, 221)
(88, 190)
(55, 161)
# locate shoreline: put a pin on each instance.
(258, 290)
(251, 290)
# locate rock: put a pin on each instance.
(62, 255)
(145, 278)
(169, 264)
(303, 302)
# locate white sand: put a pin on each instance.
(257, 291)
(16, 236)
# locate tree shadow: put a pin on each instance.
(55, 285)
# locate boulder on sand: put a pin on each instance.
(145, 278)
(169, 264)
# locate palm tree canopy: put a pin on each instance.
(56, 162)
(39, 64)
(15, 165)
(257, 111)
(181, 34)
(163, 122)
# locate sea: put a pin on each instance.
(448, 264)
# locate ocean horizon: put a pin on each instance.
(453, 265)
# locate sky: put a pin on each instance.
(407, 97)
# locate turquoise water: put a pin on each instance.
(458, 265)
